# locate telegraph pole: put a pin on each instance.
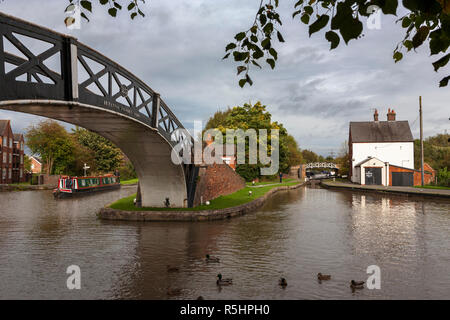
(421, 139)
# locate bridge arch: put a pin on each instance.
(109, 100)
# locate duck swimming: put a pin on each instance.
(323, 276)
(173, 292)
(282, 282)
(356, 284)
(212, 259)
(172, 269)
(223, 282)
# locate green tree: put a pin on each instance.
(27, 163)
(107, 157)
(252, 117)
(436, 152)
(294, 154)
(443, 177)
(53, 144)
(218, 119)
(343, 159)
(309, 156)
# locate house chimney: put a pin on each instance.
(209, 139)
(391, 115)
(375, 115)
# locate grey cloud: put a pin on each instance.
(177, 50)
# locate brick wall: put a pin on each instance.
(216, 180)
(294, 172)
(429, 175)
(50, 180)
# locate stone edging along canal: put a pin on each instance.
(19, 187)
(404, 191)
(200, 215)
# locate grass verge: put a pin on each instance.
(269, 182)
(235, 199)
(131, 181)
(432, 187)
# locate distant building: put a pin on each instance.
(228, 152)
(18, 174)
(382, 153)
(11, 154)
(36, 165)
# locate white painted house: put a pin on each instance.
(375, 145)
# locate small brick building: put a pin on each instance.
(400, 173)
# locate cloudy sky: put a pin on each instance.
(177, 49)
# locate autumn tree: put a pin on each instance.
(107, 157)
(309, 156)
(295, 156)
(52, 143)
(343, 159)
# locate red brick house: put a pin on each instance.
(229, 159)
(36, 165)
(18, 174)
(6, 151)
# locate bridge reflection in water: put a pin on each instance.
(296, 235)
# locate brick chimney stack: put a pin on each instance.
(391, 115)
(375, 115)
(209, 139)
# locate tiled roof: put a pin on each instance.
(3, 126)
(381, 131)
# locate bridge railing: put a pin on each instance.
(38, 63)
(314, 165)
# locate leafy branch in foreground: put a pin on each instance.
(254, 44)
(426, 21)
(113, 7)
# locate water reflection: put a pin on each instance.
(295, 235)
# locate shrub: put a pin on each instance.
(127, 171)
(443, 177)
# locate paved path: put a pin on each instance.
(273, 184)
(405, 190)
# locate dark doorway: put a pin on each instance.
(373, 176)
(403, 179)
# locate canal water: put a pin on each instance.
(295, 235)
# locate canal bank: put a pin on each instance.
(24, 187)
(406, 191)
(205, 214)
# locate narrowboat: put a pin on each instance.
(70, 186)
